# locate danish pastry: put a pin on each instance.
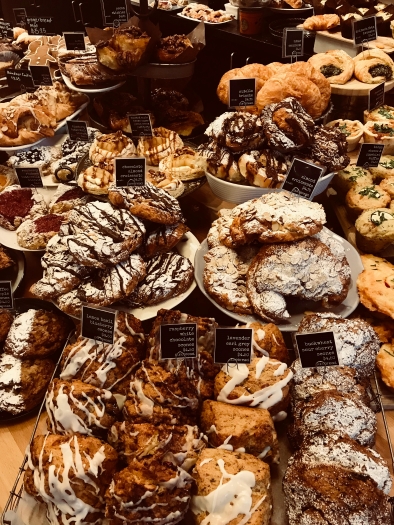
(95, 180)
(336, 65)
(166, 182)
(164, 142)
(125, 48)
(106, 148)
(373, 66)
(184, 164)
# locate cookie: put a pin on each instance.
(19, 204)
(34, 234)
(376, 285)
(163, 239)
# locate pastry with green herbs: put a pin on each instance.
(352, 129)
(375, 230)
(362, 198)
(381, 113)
(351, 176)
(336, 65)
(373, 66)
(385, 168)
(380, 132)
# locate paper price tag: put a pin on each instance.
(114, 10)
(78, 130)
(20, 16)
(130, 172)
(29, 177)
(317, 349)
(41, 25)
(41, 75)
(302, 178)
(6, 29)
(376, 97)
(293, 42)
(370, 154)
(98, 324)
(19, 78)
(75, 41)
(242, 92)
(141, 125)
(6, 295)
(233, 345)
(364, 30)
(178, 341)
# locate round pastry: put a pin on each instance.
(329, 148)
(171, 48)
(162, 100)
(163, 143)
(381, 132)
(65, 199)
(6, 319)
(19, 204)
(34, 234)
(350, 177)
(385, 364)
(356, 341)
(321, 23)
(220, 161)
(380, 113)
(265, 168)
(259, 72)
(376, 284)
(336, 65)
(385, 168)
(95, 180)
(373, 66)
(219, 233)
(286, 125)
(184, 164)
(352, 129)
(387, 185)
(166, 182)
(365, 198)
(268, 340)
(7, 177)
(237, 131)
(375, 230)
(163, 239)
(225, 277)
(105, 148)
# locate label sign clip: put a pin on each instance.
(20, 77)
(78, 130)
(140, 124)
(75, 41)
(233, 345)
(369, 155)
(302, 178)
(41, 75)
(317, 349)
(376, 97)
(114, 11)
(130, 172)
(29, 177)
(364, 30)
(242, 92)
(293, 42)
(178, 341)
(98, 324)
(6, 296)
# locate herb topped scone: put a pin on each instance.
(381, 113)
(351, 176)
(375, 230)
(362, 198)
(382, 132)
(353, 129)
(385, 168)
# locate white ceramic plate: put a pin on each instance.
(60, 125)
(72, 86)
(210, 23)
(298, 307)
(8, 238)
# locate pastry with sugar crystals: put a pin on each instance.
(240, 429)
(267, 340)
(231, 487)
(264, 383)
(70, 474)
(77, 407)
(177, 444)
(149, 492)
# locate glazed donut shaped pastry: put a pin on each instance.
(336, 65)
(373, 66)
(106, 147)
(164, 142)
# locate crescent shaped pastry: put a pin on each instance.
(321, 22)
(373, 67)
(258, 71)
(336, 65)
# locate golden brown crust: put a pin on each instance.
(385, 364)
(337, 58)
(268, 337)
(372, 58)
(321, 22)
(6, 319)
(376, 285)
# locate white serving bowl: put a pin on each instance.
(237, 193)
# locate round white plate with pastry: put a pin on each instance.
(112, 87)
(297, 307)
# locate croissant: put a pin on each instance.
(336, 65)
(22, 125)
(259, 72)
(373, 66)
(321, 22)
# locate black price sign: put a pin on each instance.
(41, 25)
(141, 125)
(6, 29)
(41, 75)
(6, 297)
(114, 11)
(233, 345)
(369, 155)
(364, 30)
(376, 97)
(78, 130)
(302, 178)
(29, 177)
(98, 324)
(20, 77)
(242, 92)
(20, 16)
(130, 172)
(178, 341)
(293, 42)
(75, 41)
(318, 349)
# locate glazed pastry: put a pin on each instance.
(268, 340)
(171, 48)
(350, 177)
(352, 129)
(19, 204)
(329, 148)
(156, 148)
(336, 65)
(184, 164)
(321, 23)
(385, 168)
(237, 131)
(381, 132)
(264, 168)
(65, 199)
(163, 239)
(375, 285)
(95, 180)
(124, 50)
(381, 113)
(166, 182)
(106, 148)
(365, 198)
(220, 161)
(86, 70)
(373, 66)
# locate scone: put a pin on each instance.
(373, 66)
(376, 285)
(375, 230)
(387, 185)
(351, 176)
(380, 132)
(19, 204)
(385, 168)
(241, 429)
(268, 340)
(385, 364)
(365, 198)
(34, 234)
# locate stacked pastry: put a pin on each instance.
(247, 252)
(117, 251)
(29, 342)
(258, 150)
(333, 428)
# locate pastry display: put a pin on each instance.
(206, 14)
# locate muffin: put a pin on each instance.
(385, 168)
(375, 230)
(351, 176)
(379, 114)
(387, 185)
(381, 132)
(364, 198)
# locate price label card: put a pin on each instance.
(178, 341)
(242, 92)
(376, 97)
(20, 77)
(141, 125)
(114, 10)
(6, 296)
(41, 75)
(6, 29)
(75, 41)
(29, 177)
(41, 25)
(318, 349)
(130, 172)
(370, 155)
(293, 42)
(233, 345)
(302, 178)
(364, 30)
(20, 16)
(78, 130)
(98, 324)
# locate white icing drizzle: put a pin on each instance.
(205, 461)
(261, 366)
(212, 429)
(226, 445)
(146, 404)
(240, 449)
(264, 453)
(280, 416)
(280, 370)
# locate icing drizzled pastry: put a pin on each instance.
(72, 152)
(163, 142)
(34, 234)
(106, 148)
(237, 131)
(125, 48)
(65, 199)
(264, 383)
(166, 182)
(329, 148)
(220, 161)
(103, 365)
(19, 204)
(163, 239)
(267, 340)
(264, 168)
(176, 444)
(96, 180)
(71, 475)
(184, 164)
(77, 407)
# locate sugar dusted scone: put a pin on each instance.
(376, 285)
(385, 364)
(221, 478)
(240, 429)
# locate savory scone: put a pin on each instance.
(231, 487)
(264, 383)
(385, 364)
(375, 230)
(6, 320)
(380, 132)
(353, 129)
(242, 429)
(385, 168)
(387, 185)
(383, 112)
(364, 198)
(351, 176)
(376, 285)
(268, 340)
